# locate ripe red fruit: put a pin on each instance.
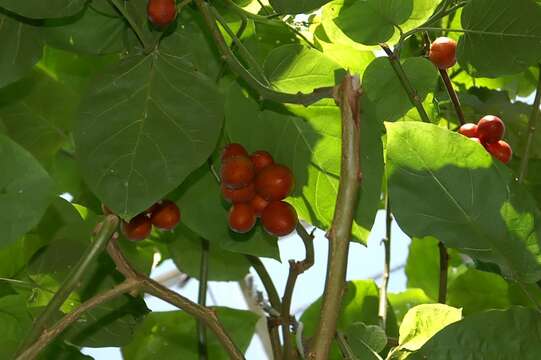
(161, 13)
(443, 52)
(138, 228)
(500, 150)
(261, 159)
(275, 182)
(258, 204)
(469, 130)
(237, 172)
(244, 194)
(166, 216)
(233, 149)
(490, 129)
(279, 218)
(153, 208)
(241, 218)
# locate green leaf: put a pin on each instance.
(38, 113)
(44, 9)
(16, 321)
(422, 266)
(20, 48)
(447, 186)
(205, 213)
(146, 124)
(495, 334)
(366, 341)
(14, 257)
(25, 191)
(420, 324)
(173, 335)
(296, 7)
(383, 87)
(186, 249)
(402, 302)
(491, 26)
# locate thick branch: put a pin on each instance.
(387, 264)
(202, 297)
(239, 69)
(399, 71)
(347, 96)
(49, 335)
(72, 281)
(295, 269)
(532, 124)
(444, 264)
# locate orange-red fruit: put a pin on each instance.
(153, 208)
(443, 52)
(261, 159)
(279, 218)
(161, 12)
(244, 194)
(166, 216)
(237, 172)
(490, 129)
(241, 218)
(258, 204)
(469, 130)
(234, 149)
(500, 150)
(138, 228)
(275, 182)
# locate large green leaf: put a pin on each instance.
(501, 37)
(44, 9)
(447, 186)
(205, 212)
(38, 113)
(146, 124)
(496, 334)
(25, 191)
(402, 302)
(297, 6)
(173, 335)
(16, 321)
(383, 87)
(366, 341)
(20, 48)
(186, 249)
(422, 266)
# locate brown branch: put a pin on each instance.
(444, 265)
(348, 97)
(272, 326)
(47, 336)
(202, 298)
(295, 269)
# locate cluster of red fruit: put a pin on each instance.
(489, 133)
(256, 186)
(164, 215)
(161, 13)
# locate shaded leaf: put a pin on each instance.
(402, 302)
(44, 9)
(296, 7)
(366, 341)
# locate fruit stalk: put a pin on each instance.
(532, 124)
(453, 95)
(73, 280)
(202, 298)
(347, 96)
(444, 265)
(399, 71)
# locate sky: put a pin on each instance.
(364, 263)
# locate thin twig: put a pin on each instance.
(401, 74)
(239, 69)
(339, 235)
(49, 335)
(72, 281)
(266, 279)
(295, 269)
(444, 265)
(386, 265)
(532, 125)
(202, 298)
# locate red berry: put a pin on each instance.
(279, 218)
(443, 52)
(237, 172)
(233, 149)
(261, 159)
(468, 130)
(153, 208)
(258, 204)
(275, 182)
(161, 12)
(490, 129)
(241, 218)
(244, 194)
(166, 216)
(138, 228)
(500, 150)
